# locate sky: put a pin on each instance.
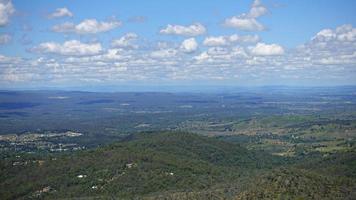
(80, 43)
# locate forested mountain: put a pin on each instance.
(176, 165)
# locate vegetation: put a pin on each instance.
(176, 165)
(275, 144)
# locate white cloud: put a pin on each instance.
(109, 56)
(344, 33)
(239, 52)
(215, 41)
(220, 55)
(204, 56)
(192, 30)
(125, 41)
(15, 69)
(257, 9)
(6, 10)
(329, 52)
(69, 48)
(7, 59)
(189, 45)
(244, 23)
(120, 67)
(11, 75)
(345, 59)
(325, 34)
(164, 53)
(248, 22)
(331, 47)
(88, 26)
(5, 38)
(244, 38)
(229, 40)
(61, 12)
(262, 49)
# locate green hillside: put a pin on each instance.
(171, 165)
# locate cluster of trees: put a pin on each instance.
(173, 165)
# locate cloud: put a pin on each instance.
(244, 23)
(330, 56)
(11, 75)
(69, 48)
(61, 12)
(204, 56)
(189, 45)
(164, 53)
(216, 41)
(7, 60)
(257, 9)
(331, 47)
(88, 26)
(344, 33)
(15, 69)
(109, 57)
(262, 49)
(6, 10)
(248, 22)
(125, 41)
(244, 38)
(191, 30)
(5, 38)
(230, 40)
(220, 56)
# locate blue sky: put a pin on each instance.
(97, 43)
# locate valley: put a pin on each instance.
(271, 144)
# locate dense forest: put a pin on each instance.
(177, 165)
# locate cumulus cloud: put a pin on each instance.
(6, 10)
(5, 38)
(230, 40)
(331, 52)
(12, 75)
(8, 60)
(257, 9)
(15, 69)
(221, 56)
(164, 53)
(61, 12)
(244, 38)
(331, 46)
(215, 41)
(244, 23)
(248, 21)
(126, 41)
(69, 48)
(191, 30)
(344, 33)
(88, 26)
(262, 49)
(189, 45)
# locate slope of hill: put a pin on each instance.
(168, 165)
(141, 164)
(298, 184)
